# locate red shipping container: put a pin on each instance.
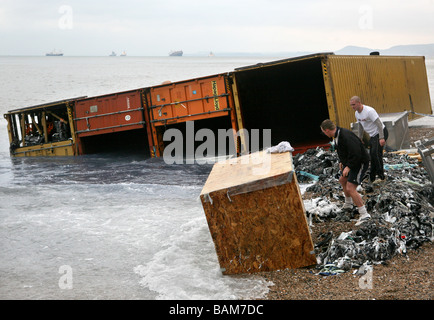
(109, 113)
(195, 99)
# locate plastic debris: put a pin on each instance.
(309, 175)
(330, 270)
(401, 209)
(398, 166)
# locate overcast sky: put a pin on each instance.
(149, 28)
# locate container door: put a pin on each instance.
(196, 99)
(111, 113)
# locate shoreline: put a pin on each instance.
(403, 277)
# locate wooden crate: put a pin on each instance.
(256, 215)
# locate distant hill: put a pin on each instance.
(426, 50)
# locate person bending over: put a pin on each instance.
(353, 164)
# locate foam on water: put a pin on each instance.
(130, 228)
(187, 268)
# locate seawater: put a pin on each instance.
(127, 227)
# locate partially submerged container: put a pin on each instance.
(110, 123)
(205, 102)
(42, 130)
(289, 98)
(256, 215)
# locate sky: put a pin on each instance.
(153, 28)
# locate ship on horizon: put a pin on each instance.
(54, 54)
(175, 53)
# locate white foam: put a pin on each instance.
(187, 268)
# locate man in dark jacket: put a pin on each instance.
(354, 162)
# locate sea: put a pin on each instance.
(108, 227)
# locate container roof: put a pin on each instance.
(44, 105)
(275, 62)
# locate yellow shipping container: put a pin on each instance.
(289, 98)
(387, 83)
(293, 96)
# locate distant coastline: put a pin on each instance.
(426, 50)
(408, 50)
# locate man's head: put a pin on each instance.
(328, 128)
(356, 104)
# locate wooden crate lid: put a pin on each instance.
(249, 169)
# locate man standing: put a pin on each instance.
(353, 164)
(370, 121)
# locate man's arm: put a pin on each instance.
(379, 125)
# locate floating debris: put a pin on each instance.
(401, 208)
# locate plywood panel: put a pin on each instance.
(257, 222)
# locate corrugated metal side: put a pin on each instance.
(60, 149)
(109, 113)
(386, 83)
(196, 99)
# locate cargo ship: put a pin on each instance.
(176, 53)
(290, 97)
(54, 54)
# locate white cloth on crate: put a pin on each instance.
(284, 146)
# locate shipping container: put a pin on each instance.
(113, 122)
(201, 103)
(390, 84)
(293, 96)
(284, 100)
(42, 130)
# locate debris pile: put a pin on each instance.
(401, 208)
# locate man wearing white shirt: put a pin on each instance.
(370, 122)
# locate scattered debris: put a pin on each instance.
(426, 151)
(401, 208)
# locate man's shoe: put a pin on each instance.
(379, 182)
(363, 218)
(347, 206)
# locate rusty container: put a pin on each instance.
(112, 121)
(196, 99)
(109, 113)
(208, 101)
